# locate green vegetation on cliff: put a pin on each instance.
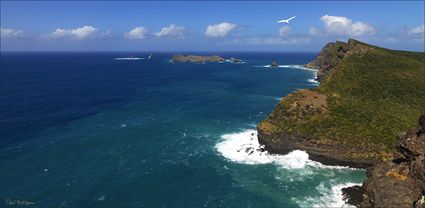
(371, 95)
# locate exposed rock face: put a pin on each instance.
(196, 59)
(296, 108)
(396, 183)
(331, 55)
(333, 155)
(353, 195)
(274, 64)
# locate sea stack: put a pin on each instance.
(274, 64)
(234, 60)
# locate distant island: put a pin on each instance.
(367, 96)
(202, 59)
(274, 64)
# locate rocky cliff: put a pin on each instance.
(329, 57)
(333, 53)
(396, 183)
(297, 108)
(366, 97)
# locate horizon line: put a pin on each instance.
(182, 51)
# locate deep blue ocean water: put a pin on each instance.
(87, 130)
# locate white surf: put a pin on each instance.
(243, 148)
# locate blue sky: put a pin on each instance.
(207, 26)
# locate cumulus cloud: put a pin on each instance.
(6, 33)
(136, 33)
(219, 30)
(314, 31)
(285, 36)
(80, 33)
(172, 31)
(418, 31)
(271, 41)
(284, 31)
(343, 26)
(106, 34)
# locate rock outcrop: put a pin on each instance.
(234, 60)
(329, 57)
(196, 59)
(332, 54)
(396, 183)
(296, 108)
(274, 64)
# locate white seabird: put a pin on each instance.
(286, 20)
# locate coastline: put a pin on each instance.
(322, 122)
(242, 147)
(342, 121)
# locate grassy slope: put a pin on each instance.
(372, 97)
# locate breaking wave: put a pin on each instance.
(129, 58)
(331, 196)
(312, 80)
(293, 66)
(243, 148)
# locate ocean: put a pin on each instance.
(94, 130)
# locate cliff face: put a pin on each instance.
(333, 53)
(329, 57)
(297, 108)
(367, 95)
(396, 183)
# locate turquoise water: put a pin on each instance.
(87, 130)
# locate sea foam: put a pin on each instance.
(294, 66)
(330, 196)
(333, 197)
(129, 58)
(243, 148)
(312, 80)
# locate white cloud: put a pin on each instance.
(11, 33)
(416, 31)
(173, 31)
(343, 26)
(271, 41)
(284, 31)
(314, 31)
(136, 33)
(80, 33)
(106, 34)
(285, 36)
(219, 30)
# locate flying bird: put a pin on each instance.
(286, 20)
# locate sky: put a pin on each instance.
(207, 25)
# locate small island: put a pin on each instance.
(196, 59)
(204, 59)
(274, 64)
